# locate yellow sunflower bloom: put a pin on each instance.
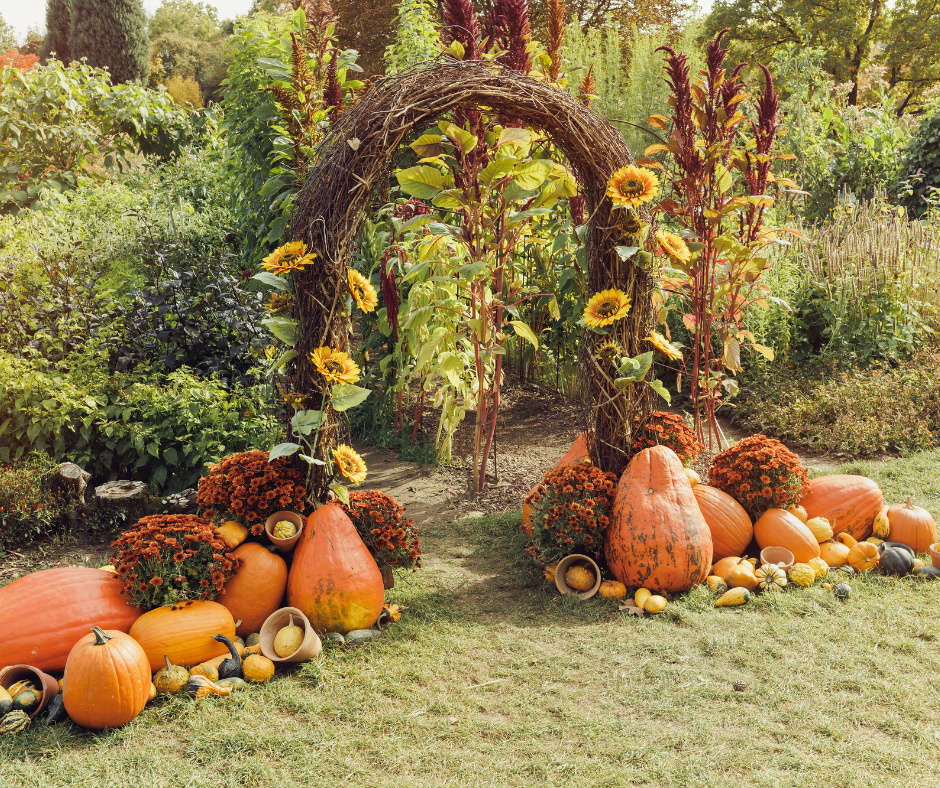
(632, 224)
(664, 346)
(606, 307)
(673, 245)
(287, 258)
(363, 292)
(335, 366)
(609, 352)
(350, 463)
(632, 186)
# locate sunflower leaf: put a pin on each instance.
(283, 450)
(660, 389)
(346, 396)
(340, 491)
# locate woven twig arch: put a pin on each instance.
(354, 160)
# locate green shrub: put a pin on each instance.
(921, 167)
(28, 509)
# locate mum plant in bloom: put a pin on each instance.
(667, 429)
(380, 520)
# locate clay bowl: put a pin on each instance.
(273, 624)
(935, 554)
(14, 673)
(777, 555)
(577, 560)
(284, 545)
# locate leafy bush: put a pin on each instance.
(921, 167)
(27, 507)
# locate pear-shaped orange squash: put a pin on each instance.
(334, 579)
(657, 537)
(256, 590)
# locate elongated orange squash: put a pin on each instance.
(183, 633)
(728, 522)
(580, 450)
(779, 528)
(849, 503)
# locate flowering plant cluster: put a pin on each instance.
(27, 507)
(667, 429)
(250, 488)
(380, 521)
(169, 558)
(761, 473)
(570, 511)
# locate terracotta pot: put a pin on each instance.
(284, 545)
(388, 577)
(14, 673)
(279, 619)
(934, 551)
(779, 556)
(574, 560)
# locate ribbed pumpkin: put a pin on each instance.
(657, 535)
(912, 525)
(107, 680)
(779, 528)
(183, 633)
(43, 614)
(334, 579)
(834, 553)
(579, 451)
(728, 522)
(257, 589)
(849, 503)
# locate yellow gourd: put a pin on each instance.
(693, 477)
(579, 578)
(655, 604)
(716, 585)
(881, 527)
(802, 575)
(798, 512)
(233, 533)
(820, 567)
(736, 596)
(284, 529)
(258, 668)
(820, 528)
(640, 597)
(211, 672)
(289, 638)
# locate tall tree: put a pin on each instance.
(112, 34)
(628, 14)
(912, 52)
(58, 27)
(7, 35)
(185, 17)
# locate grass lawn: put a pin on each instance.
(492, 679)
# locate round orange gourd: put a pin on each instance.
(43, 614)
(580, 450)
(864, 556)
(779, 528)
(612, 589)
(183, 633)
(334, 579)
(849, 503)
(657, 535)
(834, 553)
(728, 522)
(256, 590)
(911, 525)
(107, 680)
(742, 575)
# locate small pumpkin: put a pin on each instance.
(171, 678)
(716, 584)
(771, 577)
(820, 567)
(655, 604)
(842, 591)
(798, 512)
(693, 477)
(610, 589)
(202, 687)
(881, 527)
(834, 553)
(893, 561)
(736, 596)
(579, 578)
(863, 557)
(725, 565)
(233, 533)
(802, 575)
(258, 669)
(912, 525)
(6, 702)
(14, 722)
(288, 639)
(253, 639)
(231, 666)
(742, 576)
(640, 597)
(211, 672)
(820, 528)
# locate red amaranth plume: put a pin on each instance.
(765, 133)
(556, 36)
(460, 24)
(333, 92)
(508, 26)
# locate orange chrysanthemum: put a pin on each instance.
(335, 366)
(363, 292)
(606, 307)
(350, 464)
(632, 186)
(289, 257)
(664, 346)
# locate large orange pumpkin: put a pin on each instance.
(256, 590)
(334, 579)
(912, 525)
(580, 450)
(779, 528)
(657, 537)
(728, 523)
(848, 502)
(107, 680)
(43, 614)
(183, 633)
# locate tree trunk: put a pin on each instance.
(134, 497)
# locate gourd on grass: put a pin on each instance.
(170, 678)
(912, 525)
(232, 666)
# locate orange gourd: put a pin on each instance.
(657, 535)
(334, 579)
(834, 553)
(847, 539)
(580, 450)
(612, 589)
(183, 633)
(779, 528)
(849, 503)
(43, 614)
(742, 575)
(728, 522)
(725, 565)
(911, 525)
(864, 556)
(107, 680)
(256, 590)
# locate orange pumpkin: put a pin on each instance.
(834, 553)
(43, 614)
(725, 565)
(256, 590)
(728, 522)
(864, 556)
(580, 450)
(183, 633)
(779, 528)
(657, 537)
(912, 525)
(612, 589)
(107, 680)
(849, 503)
(742, 575)
(334, 579)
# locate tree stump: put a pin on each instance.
(70, 481)
(134, 497)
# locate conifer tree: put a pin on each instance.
(112, 34)
(58, 26)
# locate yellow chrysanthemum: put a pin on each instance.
(350, 463)
(335, 366)
(673, 245)
(606, 307)
(664, 346)
(363, 292)
(632, 186)
(289, 257)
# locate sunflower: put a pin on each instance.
(632, 186)
(363, 292)
(606, 307)
(673, 245)
(350, 463)
(664, 346)
(609, 352)
(335, 366)
(289, 257)
(279, 303)
(632, 224)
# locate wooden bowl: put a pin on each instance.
(577, 560)
(935, 554)
(284, 545)
(779, 556)
(273, 624)
(14, 673)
